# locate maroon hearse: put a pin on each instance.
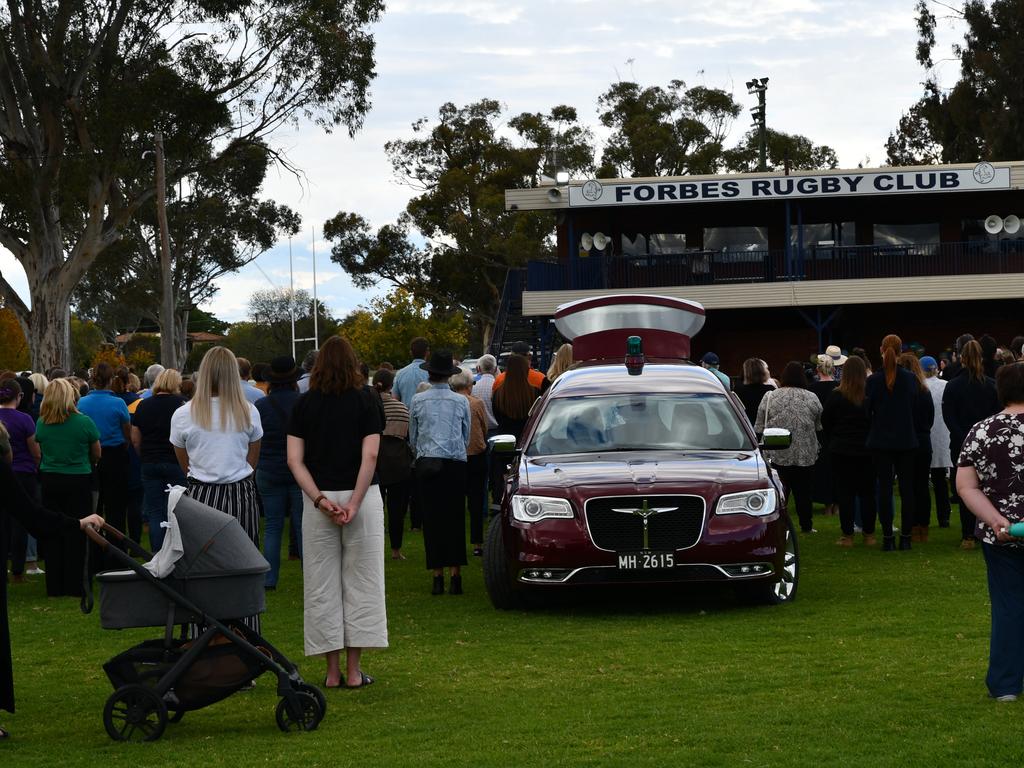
(638, 467)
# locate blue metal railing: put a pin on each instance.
(510, 292)
(820, 263)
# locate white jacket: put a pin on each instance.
(940, 432)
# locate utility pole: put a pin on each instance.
(167, 350)
(759, 86)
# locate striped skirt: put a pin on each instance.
(242, 501)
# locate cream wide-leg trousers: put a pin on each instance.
(343, 576)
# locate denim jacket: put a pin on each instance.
(439, 423)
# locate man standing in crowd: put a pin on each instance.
(711, 362)
(407, 379)
(487, 366)
(941, 461)
(535, 377)
(252, 394)
(955, 368)
(307, 365)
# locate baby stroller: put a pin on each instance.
(214, 577)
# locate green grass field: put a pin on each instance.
(880, 661)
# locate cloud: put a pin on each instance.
(479, 11)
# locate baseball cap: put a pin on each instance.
(710, 358)
(928, 363)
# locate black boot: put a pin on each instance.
(904, 542)
(888, 543)
(438, 586)
(456, 586)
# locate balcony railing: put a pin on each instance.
(821, 263)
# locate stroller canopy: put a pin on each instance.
(213, 543)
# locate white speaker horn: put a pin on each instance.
(994, 224)
(554, 195)
(587, 241)
(601, 241)
(1011, 224)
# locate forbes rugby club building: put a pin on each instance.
(788, 264)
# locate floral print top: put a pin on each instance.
(995, 448)
(799, 411)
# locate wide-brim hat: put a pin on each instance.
(441, 364)
(283, 370)
(835, 353)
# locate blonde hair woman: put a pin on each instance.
(216, 438)
(70, 445)
(560, 363)
(151, 431)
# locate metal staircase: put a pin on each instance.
(511, 326)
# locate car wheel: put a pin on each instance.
(783, 589)
(499, 578)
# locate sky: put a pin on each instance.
(841, 72)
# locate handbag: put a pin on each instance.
(394, 460)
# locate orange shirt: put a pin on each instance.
(536, 379)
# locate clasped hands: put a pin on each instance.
(340, 514)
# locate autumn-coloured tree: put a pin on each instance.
(14, 354)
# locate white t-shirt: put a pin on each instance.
(215, 456)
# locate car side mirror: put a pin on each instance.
(502, 444)
(775, 439)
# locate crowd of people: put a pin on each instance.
(343, 455)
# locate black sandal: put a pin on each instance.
(365, 681)
(4, 734)
(341, 684)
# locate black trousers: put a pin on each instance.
(112, 474)
(799, 482)
(16, 535)
(922, 494)
(898, 465)
(476, 495)
(70, 495)
(396, 499)
(855, 479)
(968, 521)
(442, 497)
(940, 482)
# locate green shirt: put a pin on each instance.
(65, 446)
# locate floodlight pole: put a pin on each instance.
(291, 292)
(760, 86)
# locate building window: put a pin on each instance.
(736, 239)
(906, 234)
(825, 235)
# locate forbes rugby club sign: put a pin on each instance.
(983, 176)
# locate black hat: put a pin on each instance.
(282, 370)
(521, 348)
(440, 364)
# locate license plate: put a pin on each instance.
(646, 561)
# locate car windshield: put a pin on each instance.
(641, 422)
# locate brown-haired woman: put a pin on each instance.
(333, 440)
(754, 387)
(792, 406)
(924, 416)
(845, 422)
(891, 394)
(968, 398)
(515, 397)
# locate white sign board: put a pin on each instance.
(983, 177)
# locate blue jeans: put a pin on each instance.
(281, 495)
(1006, 590)
(155, 479)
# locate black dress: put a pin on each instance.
(39, 521)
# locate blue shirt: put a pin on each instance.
(407, 379)
(275, 412)
(439, 423)
(109, 412)
(252, 394)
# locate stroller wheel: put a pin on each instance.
(317, 694)
(304, 714)
(176, 716)
(135, 713)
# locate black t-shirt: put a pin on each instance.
(333, 428)
(751, 396)
(153, 418)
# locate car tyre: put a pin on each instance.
(499, 578)
(783, 589)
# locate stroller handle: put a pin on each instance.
(103, 543)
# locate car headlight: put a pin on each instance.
(757, 503)
(530, 509)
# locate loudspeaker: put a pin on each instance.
(586, 241)
(554, 195)
(994, 224)
(1011, 224)
(601, 241)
